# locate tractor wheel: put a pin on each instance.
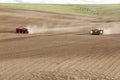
(21, 31)
(24, 32)
(17, 31)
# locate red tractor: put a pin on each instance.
(22, 30)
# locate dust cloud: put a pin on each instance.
(112, 30)
(109, 29)
(44, 29)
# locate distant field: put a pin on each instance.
(101, 10)
(60, 46)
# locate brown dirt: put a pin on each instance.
(78, 54)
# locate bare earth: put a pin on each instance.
(73, 55)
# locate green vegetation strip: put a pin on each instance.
(97, 10)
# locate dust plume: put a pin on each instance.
(44, 29)
(112, 30)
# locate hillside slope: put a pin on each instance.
(69, 53)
